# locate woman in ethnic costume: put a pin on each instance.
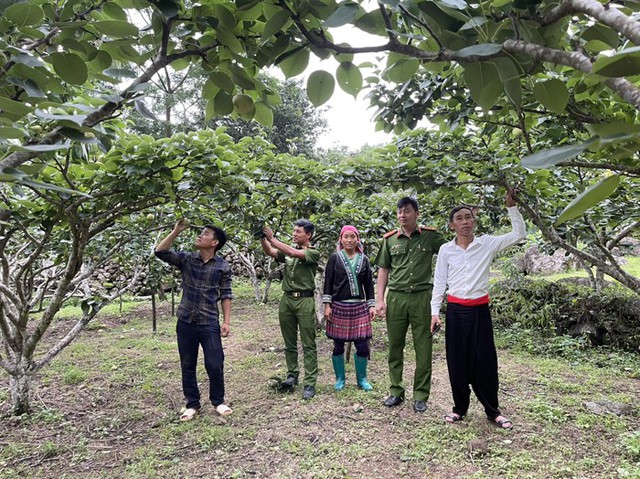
(349, 305)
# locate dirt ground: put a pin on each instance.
(108, 408)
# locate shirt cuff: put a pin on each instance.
(327, 298)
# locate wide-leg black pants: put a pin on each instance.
(472, 358)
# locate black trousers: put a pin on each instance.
(472, 358)
(190, 337)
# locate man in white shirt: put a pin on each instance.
(462, 269)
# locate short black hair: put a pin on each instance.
(408, 201)
(221, 236)
(458, 208)
(306, 225)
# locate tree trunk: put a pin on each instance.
(256, 283)
(20, 385)
(154, 312)
(267, 288)
(600, 281)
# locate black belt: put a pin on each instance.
(300, 294)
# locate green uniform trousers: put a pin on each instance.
(294, 314)
(404, 309)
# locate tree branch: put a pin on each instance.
(107, 110)
(631, 170)
(613, 242)
(613, 270)
(605, 13)
(627, 90)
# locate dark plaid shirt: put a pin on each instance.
(203, 285)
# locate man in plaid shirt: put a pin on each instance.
(206, 279)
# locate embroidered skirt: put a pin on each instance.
(349, 321)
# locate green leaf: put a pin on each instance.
(621, 64)
(45, 186)
(120, 73)
(78, 119)
(553, 94)
(44, 148)
(320, 86)
(224, 16)
(263, 114)
(241, 77)
(14, 107)
(11, 132)
(372, 23)
(228, 38)
(78, 135)
(70, 67)
(23, 14)
(589, 198)
(210, 110)
(510, 78)
(349, 78)
(344, 14)
(473, 24)
(295, 63)
(116, 28)
(144, 111)
(401, 70)
(547, 158)
(601, 33)
(482, 50)
(596, 46)
(28, 85)
(610, 129)
(277, 21)
(223, 81)
(456, 4)
(181, 63)
(484, 83)
(113, 10)
(28, 60)
(222, 103)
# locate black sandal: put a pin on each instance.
(503, 423)
(452, 418)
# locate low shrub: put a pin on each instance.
(609, 317)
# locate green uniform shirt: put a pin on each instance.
(409, 260)
(299, 274)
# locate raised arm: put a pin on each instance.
(267, 248)
(277, 245)
(518, 228)
(166, 243)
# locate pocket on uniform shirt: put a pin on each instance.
(397, 250)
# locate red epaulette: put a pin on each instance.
(428, 228)
(390, 233)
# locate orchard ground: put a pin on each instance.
(108, 407)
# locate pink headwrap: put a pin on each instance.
(346, 228)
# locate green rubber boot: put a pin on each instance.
(338, 368)
(361, 373)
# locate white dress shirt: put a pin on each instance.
(466, 271)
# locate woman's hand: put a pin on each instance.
(327, 312)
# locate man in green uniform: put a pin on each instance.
(297, 306)
(405, 260)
